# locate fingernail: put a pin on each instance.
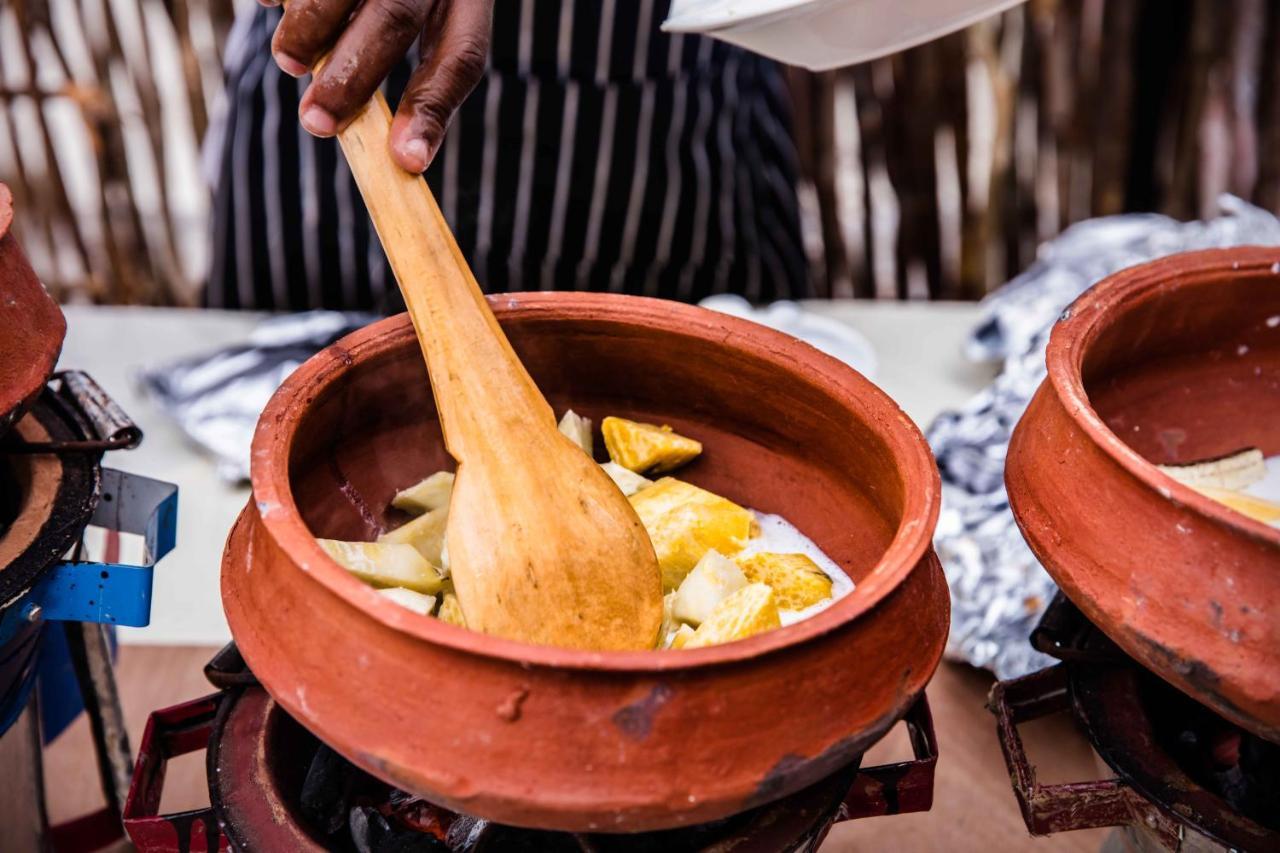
(318, 121)
(289, 65)
(415, 154)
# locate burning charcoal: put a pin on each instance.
(326, 791)
(413, 812)
(372, 833)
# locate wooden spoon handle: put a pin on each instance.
(478, 382)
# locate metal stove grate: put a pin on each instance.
(1185, 777)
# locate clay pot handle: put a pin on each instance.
(904, 787)
(171, 732)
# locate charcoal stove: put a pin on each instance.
(59, 599)
(274, 786)
(1185, 778)
(1166, 627)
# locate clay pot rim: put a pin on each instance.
(1096, 310)
(6, 210)
(911, 541)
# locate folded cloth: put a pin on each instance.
(216, 398)
(998, 589)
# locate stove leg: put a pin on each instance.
(22, 808)
(91, 657)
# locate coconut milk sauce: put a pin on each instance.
(779, 536)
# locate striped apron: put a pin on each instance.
(597, 154)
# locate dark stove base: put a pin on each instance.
(274, 786)
(341, 808)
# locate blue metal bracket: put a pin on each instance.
(114, 593)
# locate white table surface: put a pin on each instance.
(920, 366)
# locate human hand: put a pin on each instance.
(366, 40)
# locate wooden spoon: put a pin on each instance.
(543, 547)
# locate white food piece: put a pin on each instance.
(780, 536)
(415, 601)
(385, 564)
(629, 481)
(1233, 473)
(677, 638)
(431, 493)
(426, 533)
(711, 581)
(578, 430)
(444, 557)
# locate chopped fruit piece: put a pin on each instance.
(578, 430)
(796, 581)
(712, 580)
(415, 601)
(645, 447)
(629, 481)
(681, 637)
(426, 533)
(431, 493)
(748, 611)
(1236, 471)
(1256, 508)
(451, 611)
(385, 564)
(684, 522)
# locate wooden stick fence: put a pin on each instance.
(933, 173)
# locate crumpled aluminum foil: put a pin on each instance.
(998, 589)
(216, 399)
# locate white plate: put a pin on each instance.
(824, 34)
(831, 336)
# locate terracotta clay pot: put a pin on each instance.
(562, 739)
(1172, 361)
(31, 325)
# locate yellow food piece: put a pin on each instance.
(426, 533)
(578, 430)
(748, 611)
(385, 564)
(645, 447)
(415, 601)
(684, 522)
(712, 580)
(431, 493)
(1256, 508)
(629, 481)
(681, 637)
(451, 611)
(796, 581)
